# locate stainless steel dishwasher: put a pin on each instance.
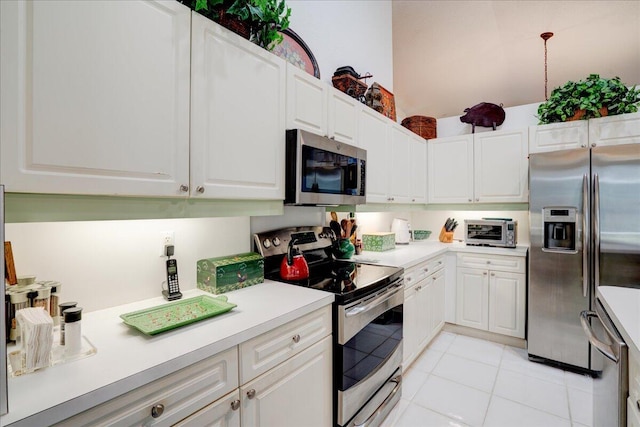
(611, 388)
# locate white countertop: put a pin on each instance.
(623, 306)
(127, 358)
(414, 253)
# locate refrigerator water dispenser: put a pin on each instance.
(559, 229)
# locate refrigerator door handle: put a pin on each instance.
(596, 229)
(603, 348)
(585, 235)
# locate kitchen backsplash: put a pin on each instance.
(107, 263)
(433, 220)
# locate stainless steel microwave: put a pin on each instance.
(321, 171)
(499, 232)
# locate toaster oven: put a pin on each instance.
(498, 232)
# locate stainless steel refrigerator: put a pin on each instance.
(584, 213)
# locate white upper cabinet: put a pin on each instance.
(95, 97)
(487, 167)
(306, 101)
(615, 130)
(343, 116)
(396, 160)
(558, 136)
(418, 168)
(319, 108)
(399, 174)
(373, 136)
(501, 167)
(450, 169)
(237, 116)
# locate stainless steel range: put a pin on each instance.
(367, 321)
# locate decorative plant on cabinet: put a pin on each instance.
(589, 98)
(260, 21)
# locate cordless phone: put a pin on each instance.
(173, 291)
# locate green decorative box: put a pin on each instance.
(378, 242)
(228, 273)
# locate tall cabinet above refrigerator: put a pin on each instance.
(584, 212)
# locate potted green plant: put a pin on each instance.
(586, 99)
(258, 20)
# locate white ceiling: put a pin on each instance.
(449, 55)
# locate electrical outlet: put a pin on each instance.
(168, 239)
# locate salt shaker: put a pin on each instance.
(72, 330)
(64, 306)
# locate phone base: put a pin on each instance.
(171, 296)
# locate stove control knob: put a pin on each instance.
(266, 243)
(276, 241)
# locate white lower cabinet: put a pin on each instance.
(491, 293)
(423, 309)
(224, 412)
(295, 393)
(290, 385)
(169, 399)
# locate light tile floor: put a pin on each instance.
(464, 381)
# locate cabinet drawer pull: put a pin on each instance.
(157, 410)
(484, 274)
(426, 270)
(488, 262)
(251, 393)
(235, 405)
(493, 274)
(296, 338)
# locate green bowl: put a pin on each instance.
(421, 234)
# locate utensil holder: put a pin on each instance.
(446, 236)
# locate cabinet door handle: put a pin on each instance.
(638, 404)
(235, 405)
(157, 410)
(493, 274)
(251, 393)
(484, 274)
(426, 270)
(470, 200)
(488, 262)
(184, 188)
(200, 189)
(296, 338)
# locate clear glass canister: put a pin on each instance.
(43, 299)
(54, 301)
(19, 299)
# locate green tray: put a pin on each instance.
(165, 317)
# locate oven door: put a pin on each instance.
(369, 353)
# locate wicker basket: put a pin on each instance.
(349, 85)
(421, 125)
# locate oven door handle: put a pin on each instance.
(603, 348)
(398, 381)
(373, 302)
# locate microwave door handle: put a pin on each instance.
(603, 348)
(585, 235)
(596, 229)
